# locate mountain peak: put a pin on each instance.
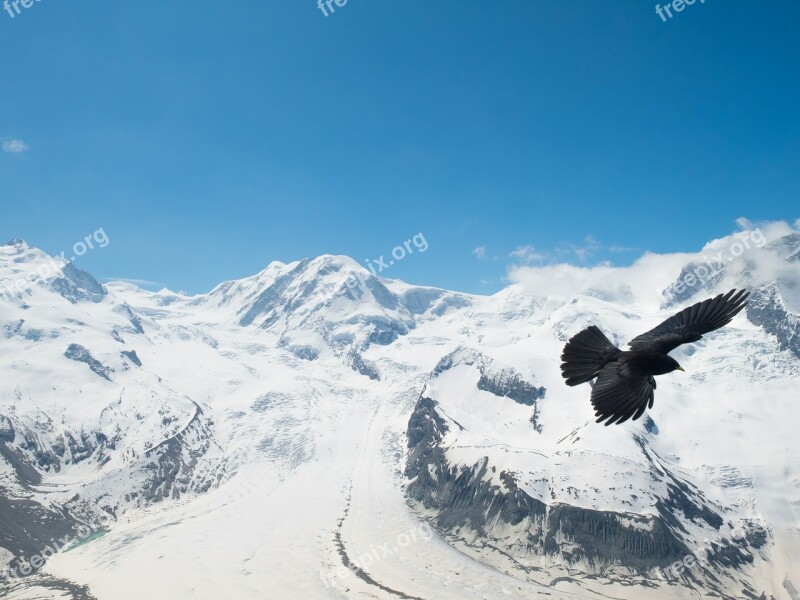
(17, 242)
(335, 259)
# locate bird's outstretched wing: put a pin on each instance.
(691, 323)
(616, 399)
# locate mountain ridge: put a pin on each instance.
(135, 409)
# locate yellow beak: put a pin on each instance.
(679, 368)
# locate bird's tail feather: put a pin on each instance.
(585, 355)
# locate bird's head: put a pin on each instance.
(661, 365)
(674, 364)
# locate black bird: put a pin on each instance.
(625, 384)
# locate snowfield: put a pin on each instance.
(290, 435)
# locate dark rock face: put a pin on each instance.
(650, 425)
(42, 585)
(24, 467)
(787, 247)
(132, 356)
(76, 285)
(302, 352)
(360, 365)
(20, 328)
(419, 301)
(693, 279)
(767, 310)
(173, 463)
(510, 384)
(28, 527)
(602, 539)
(385, 331)
(425, 430)
(500, 381)
(135, 321)
(78, 353)
(470, 503)
(22, 448)
(463, 499)
(379, 291)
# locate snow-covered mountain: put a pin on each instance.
(315, 431)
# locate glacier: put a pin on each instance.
(290, 435)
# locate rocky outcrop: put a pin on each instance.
(485, 506)
(504, 382)
(184, 463)
(767, 309)
(76, 285)
(78, 353)
(463, 499)
(173, 464)
(360, 365)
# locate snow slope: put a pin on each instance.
(315, 431)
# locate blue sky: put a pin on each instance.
(210, 138)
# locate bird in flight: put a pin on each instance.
(625, 383)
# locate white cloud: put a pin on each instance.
(643, 282)
(564, 252)
(146, 283)
(590, 246)
(15, 146)
(480, 252)
(620, 249)
(526, 254)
